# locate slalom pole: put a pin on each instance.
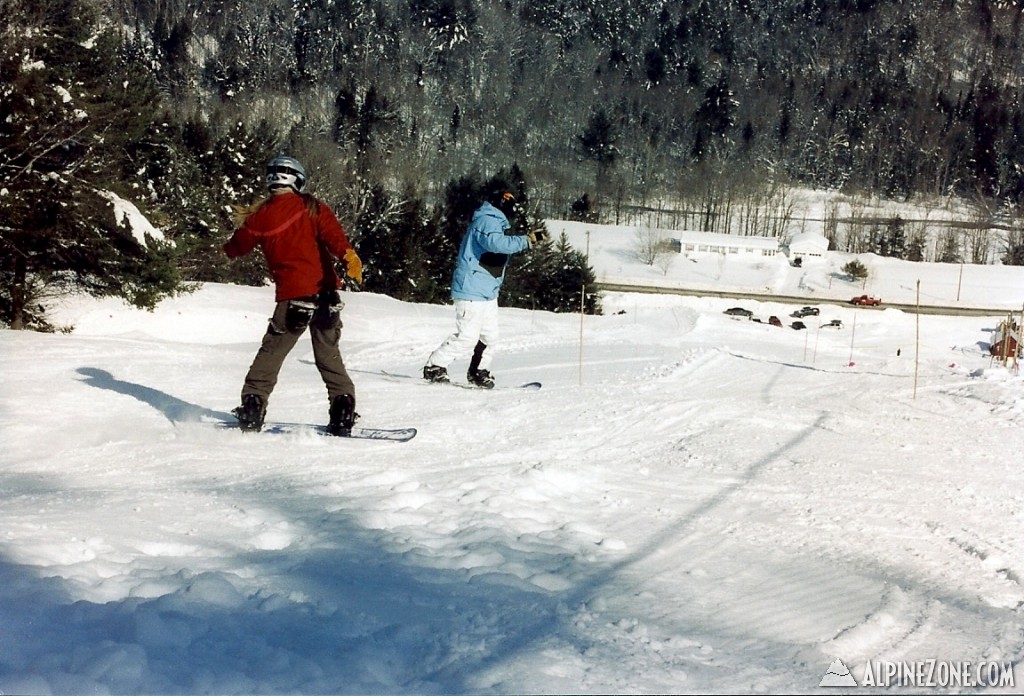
(917, 337)
(583, 301)
(583, 306)
(1007, 333)
(853, 334)
(817, 334)
(1020, 342)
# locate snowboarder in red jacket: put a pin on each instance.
(301, 240)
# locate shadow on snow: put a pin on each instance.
(338, 612)
(174, 409)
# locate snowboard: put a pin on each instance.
(467, 385)
(462, 385)
(389, 435)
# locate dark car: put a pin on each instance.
(798, 325)
(774, 321)
(806, 312)
(739, 312)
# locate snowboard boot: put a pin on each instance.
(480, 378)
(435, 373)
(343, 415)
(251, 413)
(478, 356)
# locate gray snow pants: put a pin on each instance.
(325, 332)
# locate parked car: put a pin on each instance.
(774, 321)
(806, 312)
(739, 312)
(866, 300)
(834, 324)
(798, 325)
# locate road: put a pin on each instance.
(793, 299)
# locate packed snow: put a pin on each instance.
(693, 502)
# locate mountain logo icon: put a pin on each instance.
(838, 675)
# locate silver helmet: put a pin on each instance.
(286, 172)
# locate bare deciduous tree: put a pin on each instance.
(650, 245)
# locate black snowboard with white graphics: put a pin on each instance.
(467, 385)
(390, 435)
(462, 385)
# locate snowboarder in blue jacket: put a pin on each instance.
(476, 281)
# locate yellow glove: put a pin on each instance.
(353, 266)
(537, 235)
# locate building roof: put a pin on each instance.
(808, 241)
(725, 240)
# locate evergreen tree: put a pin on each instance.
(949, 249)
(374, 238)
(715, 117)
(72, 111)
(599, 144)
(573, 281)
(462, 198)
(582, 210)
(1014, 249)
(855, 269)
(528, 279)
(893, 240)
(916, 245)
(414, 231)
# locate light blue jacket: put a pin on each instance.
(483, 255)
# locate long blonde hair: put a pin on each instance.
(241, 213)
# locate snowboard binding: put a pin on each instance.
(251, 413)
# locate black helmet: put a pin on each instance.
(506, 202)
(285, 172)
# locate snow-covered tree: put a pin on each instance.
(67, 218)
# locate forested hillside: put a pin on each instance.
(630, 99)
(402, 109)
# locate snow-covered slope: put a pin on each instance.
(692, 503)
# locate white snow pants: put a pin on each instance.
(475, 320)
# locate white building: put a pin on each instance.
(696, 243)
(807, 244)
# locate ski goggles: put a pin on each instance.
(279, 177)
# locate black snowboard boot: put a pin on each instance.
(480, 378)
(251, 413)
(343, 415)
(435, 373)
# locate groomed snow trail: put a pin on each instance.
(705, 505)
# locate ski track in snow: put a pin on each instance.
(702, 507)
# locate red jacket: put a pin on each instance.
(298, 247)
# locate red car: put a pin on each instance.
(866, 300)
